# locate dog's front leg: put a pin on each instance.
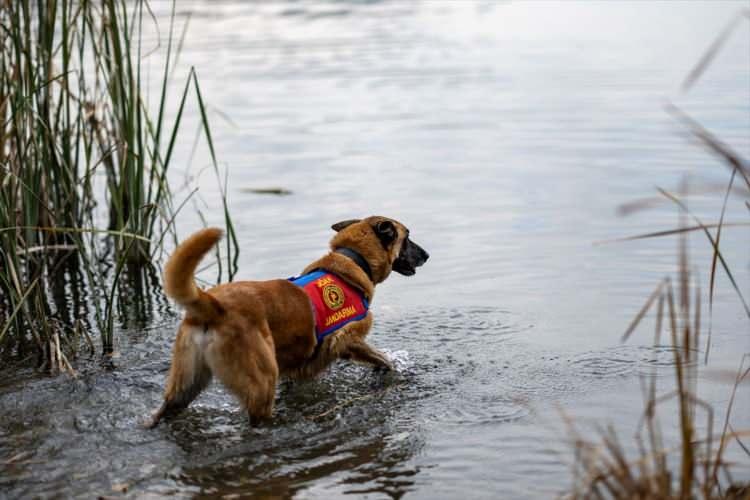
(364, 353)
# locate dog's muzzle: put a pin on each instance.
(410, 258)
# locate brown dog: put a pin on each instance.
(248, 333)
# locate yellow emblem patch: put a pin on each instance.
(333, 296)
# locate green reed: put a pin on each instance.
(84, 196)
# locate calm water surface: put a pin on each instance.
(505, 135)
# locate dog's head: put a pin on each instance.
(383, 242)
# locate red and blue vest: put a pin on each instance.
(335, 302)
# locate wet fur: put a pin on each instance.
(249, 333)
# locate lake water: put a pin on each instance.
(505, 135)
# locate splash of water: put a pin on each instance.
(400, 360)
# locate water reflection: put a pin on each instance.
(356, 456)
(141, 301)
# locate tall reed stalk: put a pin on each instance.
(84, 196)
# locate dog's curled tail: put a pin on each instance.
(179, 283)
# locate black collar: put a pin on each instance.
(357, 258)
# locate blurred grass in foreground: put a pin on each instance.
(697, 467)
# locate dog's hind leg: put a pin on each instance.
(247, 366)
(188, 375)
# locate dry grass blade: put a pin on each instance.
(624, 476)
(713, 49)
(713, 265)
(742, 372)
(18, 307)
(58, 229)
(645, 203)
(638, 317)
(739, 441)
(684, 275)
(715, 246)
(671, 232)
(46, 248)
(712, 143)
(697, 316)
(672, 316)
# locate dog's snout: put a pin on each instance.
(421, 255)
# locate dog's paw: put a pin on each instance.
(258, 421)
(384, 368)
(150, 423)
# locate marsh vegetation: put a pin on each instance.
(85, 201)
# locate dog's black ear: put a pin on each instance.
(344, 223)
(386, 232)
